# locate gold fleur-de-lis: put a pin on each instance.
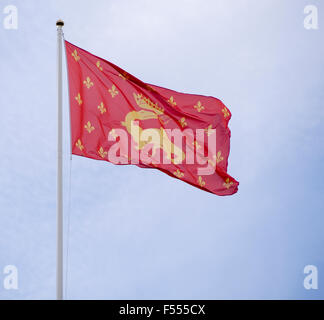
(102, 153)
(88, 82)
(113, 133)
(226, 112)
(172, 102)
(199, 106)
(227, 184)
(75, 56)
(201, 182)
(102, 108)
(78, 99)
(124, 75)
(89, 127)
(218, 157)
(209, 130)
(183, 122)
(196, 145)
(98, 65)
(113, 91)
(178, 174)
(79, 144)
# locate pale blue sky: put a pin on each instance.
(138, 234)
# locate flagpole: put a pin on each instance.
(59, 244)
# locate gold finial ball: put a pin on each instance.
(60, 23)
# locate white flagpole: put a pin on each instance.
(59, 244)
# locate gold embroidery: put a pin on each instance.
(172, 102)
(102, 153)
(88, 83)
(183, 122)
(209, 130)
(113, 133)
(218, 157)
(98, 65)
(102, 108)
(146, 103)
(113, 91)
(150, 110)
(225, 111)
(196, 145)
(201, 182)
(199, 106)
(89, 127)
(227, 184)
(75, 56)
(78, 99)
(79, 144)
(178, 174)
(124, 75)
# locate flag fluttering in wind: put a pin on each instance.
(118, 118)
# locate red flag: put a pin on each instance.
(118, 118)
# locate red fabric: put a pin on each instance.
(97, 113)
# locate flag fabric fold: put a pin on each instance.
(120, 119)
